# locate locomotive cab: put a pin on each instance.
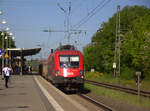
(67, 69)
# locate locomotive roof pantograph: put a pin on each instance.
(66, 47)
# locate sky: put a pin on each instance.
(28, 18)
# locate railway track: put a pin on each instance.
(116, 87)
(101, 105)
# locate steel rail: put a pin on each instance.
(116, 87)
(100, 105)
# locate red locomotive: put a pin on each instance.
(65, 67)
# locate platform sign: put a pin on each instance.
(3, 52)
(114, 65)
(92, 70)
(138, 74)
(6, 55)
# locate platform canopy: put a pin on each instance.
(24, 52)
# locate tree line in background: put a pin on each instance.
(11, 42)
(135, 44)
(8, 41)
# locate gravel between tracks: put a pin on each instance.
(117, 105)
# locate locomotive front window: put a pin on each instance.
(69, 61)
(64, 59)
(74, 61)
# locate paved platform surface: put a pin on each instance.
(33, 93)
(21, 95)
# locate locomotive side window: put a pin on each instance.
(69, 61)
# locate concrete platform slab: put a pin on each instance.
(33, 93)
(21, 95)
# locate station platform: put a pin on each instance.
(33, 93)
(21, 95)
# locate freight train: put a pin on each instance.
(65, 68)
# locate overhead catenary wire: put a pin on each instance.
(92, 13)
(69, 29)
(89, 13)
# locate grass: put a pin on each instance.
(119, 96)
(107, 78)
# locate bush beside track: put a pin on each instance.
(107, 78)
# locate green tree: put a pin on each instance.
(9, 38)
(135, 43)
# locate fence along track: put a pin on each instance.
(124, 89)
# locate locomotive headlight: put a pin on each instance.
(57, 72)
(80, 72)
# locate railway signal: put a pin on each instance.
(138, 75)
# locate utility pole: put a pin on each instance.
(3, 51)
(116, 64)
(6, 49)
(68, 29)
(3, 47)
(119, 36)
(11, 38)
(67, 14)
